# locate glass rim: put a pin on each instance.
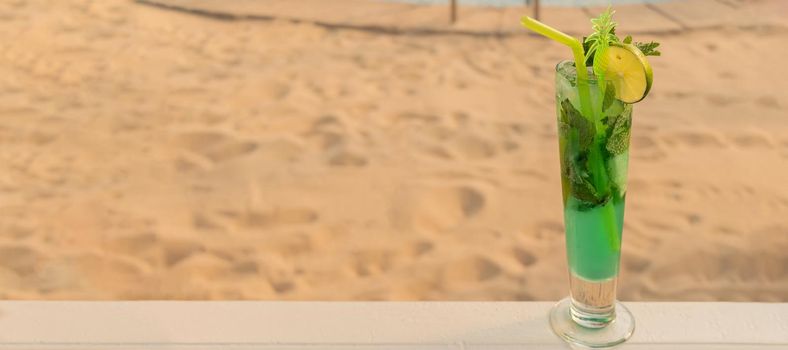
(593, 80)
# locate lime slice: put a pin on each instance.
(628, 69)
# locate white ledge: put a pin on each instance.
(367, 325)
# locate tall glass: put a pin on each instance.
(594, 150)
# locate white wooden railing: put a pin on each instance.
(369, 325)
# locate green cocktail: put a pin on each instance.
(594, 96)
(594, 153)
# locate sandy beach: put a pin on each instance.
(154, 154)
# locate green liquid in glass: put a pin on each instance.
(594, 151)
(588, 246)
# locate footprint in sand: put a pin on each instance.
(328, 132)
(215, 146)
(273, 218)
(773, 261)
(524, 257)
(460, 119)
(710, 191)
(436, 208)
(14, 4)
(471, 201)
(675, 190)
(694, 218)
(372, 262)
(475, 147)
(283, 286)
(134, 243)
(632, 262)
(20, 259)
(150, 248)
(678, 94)
(727, 75)
(203, 264)
(246, 267)
(189, 162)
(768, 102)
(175, 251)
(88, 269)
(510, 146)
(416, 118)
(732, 259)
(276, 90)
(532, 174)
(519, 129)
(280, 149)
(659, 225)
(725, 231)
(203, 222)
(549, 229)
(18, 231)
(40, 138)
(784, 148)
(436, 151)
(470, 270)
(421, 248)
(346, 158)
(751, 140)
(548, 132)
(721, 100)
(220, 49)
(295, 243)
(694, 139)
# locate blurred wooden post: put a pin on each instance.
(536, 9)
(452, 11)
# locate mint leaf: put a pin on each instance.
(575, 122)
(582, 189)
(649, 48)
(628, 39)
(575, 166)
(610, 96)
(619, 131)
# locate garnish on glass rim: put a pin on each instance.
(619, 61)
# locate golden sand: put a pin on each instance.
(147, 153)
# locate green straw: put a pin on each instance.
(585, 107)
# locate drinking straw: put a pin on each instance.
(609, 219)
(577, 52)
(552, 33)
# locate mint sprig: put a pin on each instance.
(577, 159)
(605, 33)
(649, 48)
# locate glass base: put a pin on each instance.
(617, 332)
